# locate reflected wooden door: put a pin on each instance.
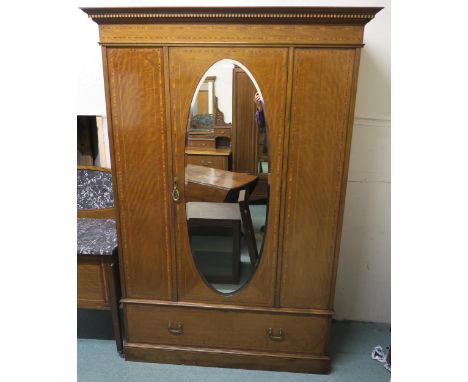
(244, 125)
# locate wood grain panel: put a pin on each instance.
(184, 355)
(220, 162)
(268, 66)
(91, 284)
(231, 34)
(227, 329)
(136, 87)
(322, 85)
(244, 124)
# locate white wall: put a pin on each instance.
(363, 283)
(223, 87)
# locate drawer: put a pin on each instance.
(222, 132)
(216, 328)
(202, 143)
(220, 162)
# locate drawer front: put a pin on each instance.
(203, 143)
(222, 132)
(219, 162)
(272, 332)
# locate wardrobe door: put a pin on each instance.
(187, 68)
(140, 166)
(322, 110)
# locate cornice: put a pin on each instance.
(240, 15)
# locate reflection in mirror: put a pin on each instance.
(226, 176)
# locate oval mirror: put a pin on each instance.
(226, 176)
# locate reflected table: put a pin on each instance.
(206, 184)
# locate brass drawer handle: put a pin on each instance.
(206, 162)
(175, 190)
(177, 330)
(279, 337)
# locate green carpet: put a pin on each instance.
(351, 346)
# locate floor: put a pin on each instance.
(351, 346)
(216, 245)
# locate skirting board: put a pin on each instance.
(181, 355)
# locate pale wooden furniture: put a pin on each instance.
(305, 61)
(210, 134)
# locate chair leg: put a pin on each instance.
(114, 298)
(249, 232)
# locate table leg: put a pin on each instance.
(114, 298)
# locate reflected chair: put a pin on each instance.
(249, 233)
(216, 219)
(211, 218)
(98, 285)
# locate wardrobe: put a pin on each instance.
(304, 63)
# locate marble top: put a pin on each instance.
(96, 236)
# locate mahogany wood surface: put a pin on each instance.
(213, 161)
(136, 83)
(98, 213)
(268, 66)
(305, 61)
(260, 191)
(225, 15)
(217, 152)
(344, 178)
(98, 287)
(217, 158)
(222, 131)
(199, 356)
(246, 308)
(202, 143)
(244, 125)
(226, 180)
(229, 35)
(207, 184)
(94, 168)
(322, 87)
(92, 283)
(113, 289)
(227, 329)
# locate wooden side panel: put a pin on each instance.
(322, 91)
(136, 88)
(91, 287)
(269, 68)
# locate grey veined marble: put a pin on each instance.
(94, 189)
(96, 236)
